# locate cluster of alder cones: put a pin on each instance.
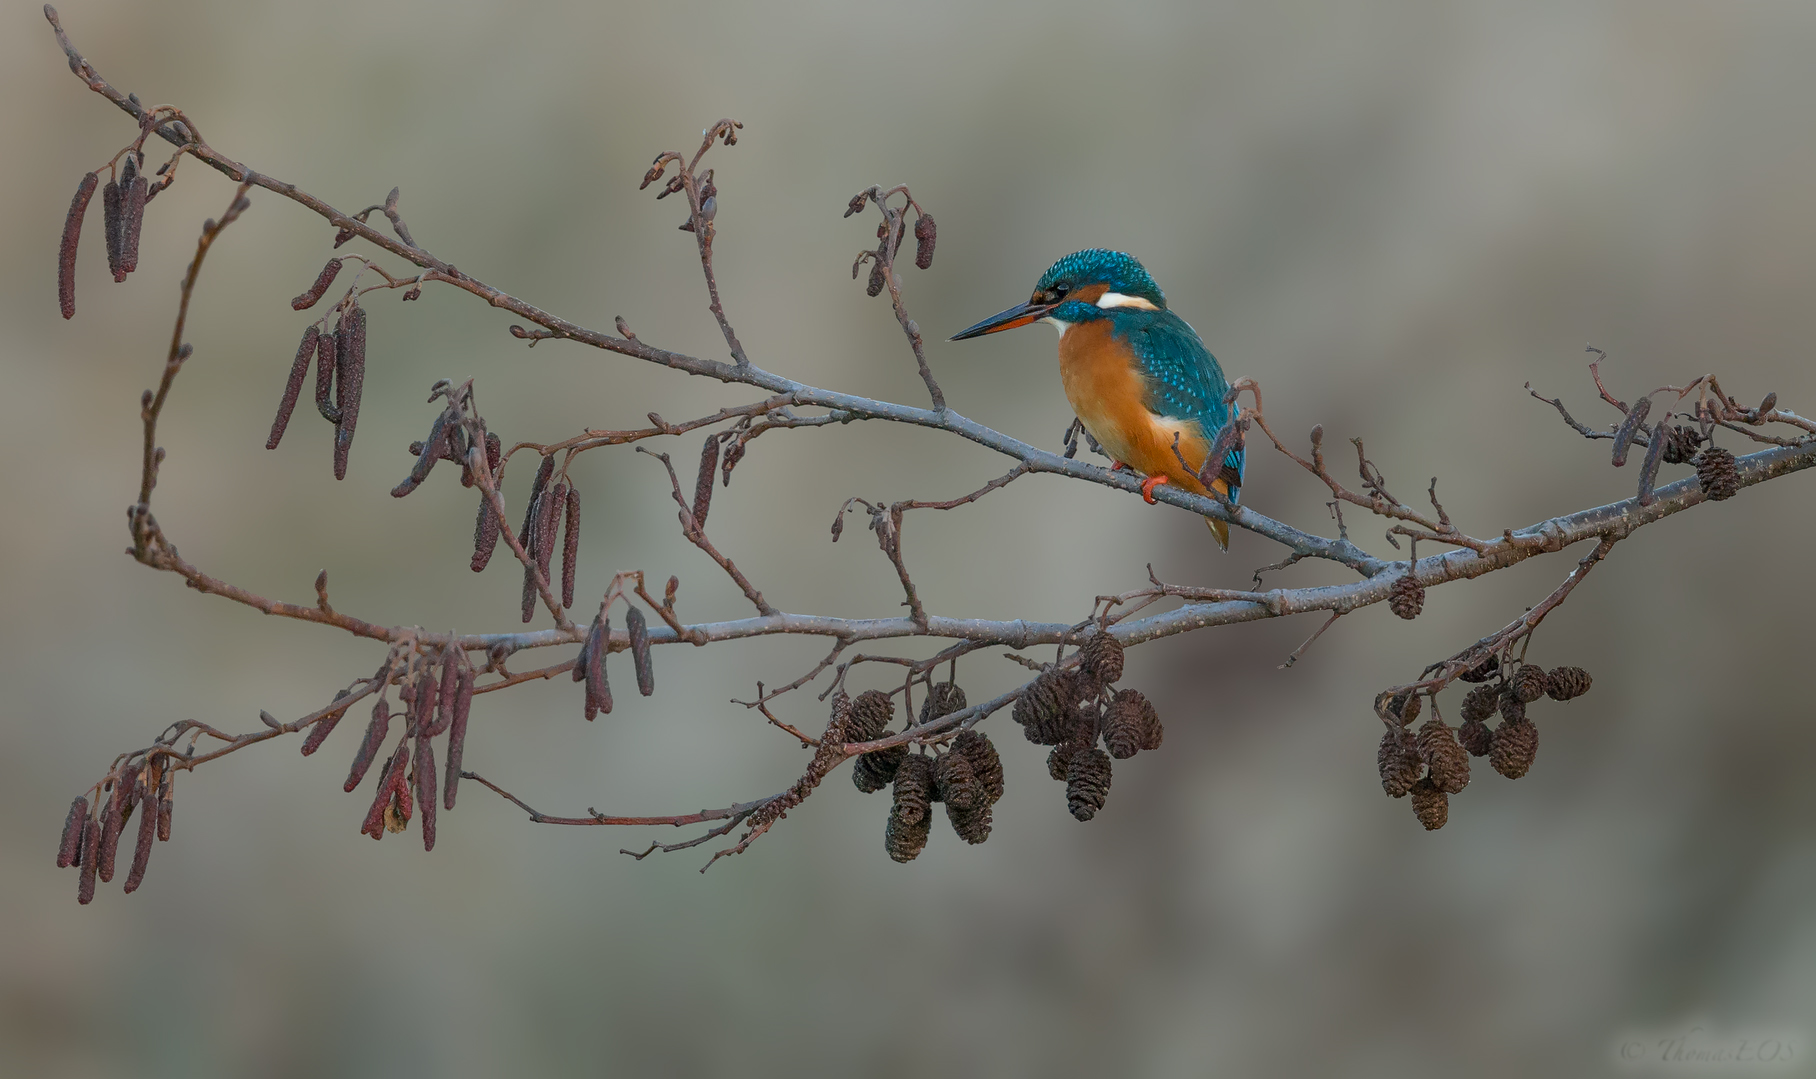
(967, 775)
(1433, 764)
(1074, 709)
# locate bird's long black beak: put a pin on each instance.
(1019, 315)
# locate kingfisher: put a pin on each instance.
(1136, 373)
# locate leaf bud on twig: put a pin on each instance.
(313, 294)
(72, 236)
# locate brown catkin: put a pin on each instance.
(703, 482)
(1397, 759)
(875, 285)
(374, 823)
(570, 546)
(925, 234)
(1403, 706)
(1102, 657)
(110, 222)
(133, 193)
(1475, 737)
(70, 846)
(165, 806)
(1624, 435)
(957, 783)
(870, 713)
(326, 350)
(1126, 724)
(1527, 683)
(430, 450)
(66, 252)
(91, 844)
(1444, 756)
(875, 770)
(1430, 804)
(349, 380)
(368, 746)
(148, 835)
(485, 534)
(526, 537)
(943, 699)
(638, 630)
(914, 786)
(113, 819)
(1046, 709)
(313, 293)
(1406, 598)
(1087, 782)
(428, 691)
(446, 692)
(1515, 744)
(1479, 703)
(986, 763)
(598, 688)
(425, 789)
(1717, 474)
(293, 387)
(547, 524)
(1565, 683)
(457, 735)
(323, 728)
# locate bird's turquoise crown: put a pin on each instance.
(1098, 265)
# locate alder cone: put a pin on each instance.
(1717, 473)
(1528, 683)
(943, 699)
(1430, 804)
(957, 784)
(904, 840)
(875, 770)
(1475, 737)
(1129, 723)
(1102, 658)
(1565, 683)
(1513, 710)
(1397, 759)
(914, 783)
(1482, 671)
(1479, 703)
(1060, 759)
(1087, 782)
(1515, 744)
(1681, 443)
(1444, 756)
(870, 713)
(1406, 598)
(986, 764)
(1047, 709)
(1404, 707)
(972, 826)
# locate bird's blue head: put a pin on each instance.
(1082, 286)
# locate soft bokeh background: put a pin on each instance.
(1394, 215)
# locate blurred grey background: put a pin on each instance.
(1393, 215)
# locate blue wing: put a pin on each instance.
(1183, 379)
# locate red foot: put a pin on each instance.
(1148, 485)
(1117, 466)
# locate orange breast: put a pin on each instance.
(1106, 390)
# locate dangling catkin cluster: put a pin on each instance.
(910, 816)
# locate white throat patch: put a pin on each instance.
(1118, 299)
(1062, 327)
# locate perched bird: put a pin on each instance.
(1135, 372)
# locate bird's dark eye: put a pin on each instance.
(1059, 291)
